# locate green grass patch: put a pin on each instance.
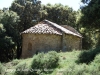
(52, 63)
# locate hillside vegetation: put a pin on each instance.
(53, 63)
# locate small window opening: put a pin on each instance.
(29, 46)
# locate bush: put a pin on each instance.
(41, 63)
(51, 60)
(83, 69)
(2, 70)
(44, 62)
(22, 69)
(76, 70)
(15, 62)
(94, 67)
(88, 56)
(97, 59)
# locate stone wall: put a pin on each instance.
(40, 43)
(33, 43)
(72, 42)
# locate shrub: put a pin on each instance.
(76, 70)
(15, 62)
(2, 70)
(51, 60)
(94, 69)
(95, 65)
(44, 62)
(83, 69)
(88, 56)
(21, 69)
(41, 63)
(97, 59)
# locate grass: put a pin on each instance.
(66, 60)
(67, 65)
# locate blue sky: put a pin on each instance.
(75, 4)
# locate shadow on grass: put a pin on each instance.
(88, 56)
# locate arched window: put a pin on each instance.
(29, 46)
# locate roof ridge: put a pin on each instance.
(71, 29)
(48, 27)
(61, 28)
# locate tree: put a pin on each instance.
(28, 10)
(59, 13)
(6, 45)
(91, 18)
(8, 34)
(91, 14)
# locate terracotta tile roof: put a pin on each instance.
(71, 29)
(48, 27)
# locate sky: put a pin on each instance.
(75, 4)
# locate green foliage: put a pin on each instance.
(31, 13)
(6, 44)
(90, 20)
(90, 38)
(70, 67)
(76, 70)
(43, 62)
(2, 30)
(52, 59)
(91, 14)
(95, 65)
(27, 11)
(83, 69)
(56, 13)
(88, 56)
(15, 62)
(22, 69)
(97, 59)
(86, 41)
(2, 70)
(8, 35)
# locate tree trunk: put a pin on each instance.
(19, 50)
